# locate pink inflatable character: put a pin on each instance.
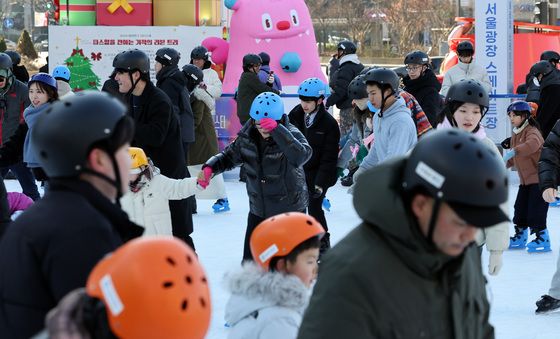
(281, 28)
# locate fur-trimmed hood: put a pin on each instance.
(254, 289)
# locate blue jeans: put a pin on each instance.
(25, 178)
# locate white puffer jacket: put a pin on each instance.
(264, 305)
(465, 71)
(149, 207)
(213, 89)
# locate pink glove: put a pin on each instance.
(204, 177)
(268, 124)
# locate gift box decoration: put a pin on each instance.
(77, 12)
(187, 12)
(124, 12)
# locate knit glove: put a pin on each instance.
(495, 262)
(204, 176)
(268, 124)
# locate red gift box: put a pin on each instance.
(124, 12)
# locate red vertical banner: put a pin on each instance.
(197, 12)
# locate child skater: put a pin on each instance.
(269, 296)
(147, 203)
(525, 150)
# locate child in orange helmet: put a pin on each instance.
(147, 202)
(269, 295)
(148, 288)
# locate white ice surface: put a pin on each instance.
(523, 279)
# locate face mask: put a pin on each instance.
(372, 108)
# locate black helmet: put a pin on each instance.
(357, 88)
(194, 74)
(468, 90)
(5, 61)
(417, 57)
(16, 58)
(550, 56)
(67, 129)
(542, 67)
(168, 56)
(465, 47)
(250, 60)
(383, 76)
(199, 52)
(438, 165)
(347, 47)
(132, 60)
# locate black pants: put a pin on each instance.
(315, 209)
(181, 218)
(530, 208)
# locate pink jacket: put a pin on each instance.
(18, 202)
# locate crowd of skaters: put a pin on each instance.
(101, 155)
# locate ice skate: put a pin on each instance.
(540, 244)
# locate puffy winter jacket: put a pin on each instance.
(274, 167)
(249, 87)
(384, 280)
(213, 89)
(527, 142)
(50, 249)
(149, 207)
(549, 163)
(264, 305)
(173, 83)
(349, 67)
(426, 90)
(323, 137)
(549, 102)
(465, 71)
(12, 105)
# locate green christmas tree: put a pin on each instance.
(25, 46)
(82, 76)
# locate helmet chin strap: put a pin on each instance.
(133, 84)
(116, 183)
(433, 218)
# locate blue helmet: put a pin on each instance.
(519, 105)
(44, 78)
(267, 105)
(313, 88)
(61, 72)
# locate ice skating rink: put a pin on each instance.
(523, 279)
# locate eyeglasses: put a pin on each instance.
(413, 68)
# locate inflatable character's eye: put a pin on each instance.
(294, 16)
(267, 22)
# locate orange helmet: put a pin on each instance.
(277, 236)
(139, 159)
(153, 287)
